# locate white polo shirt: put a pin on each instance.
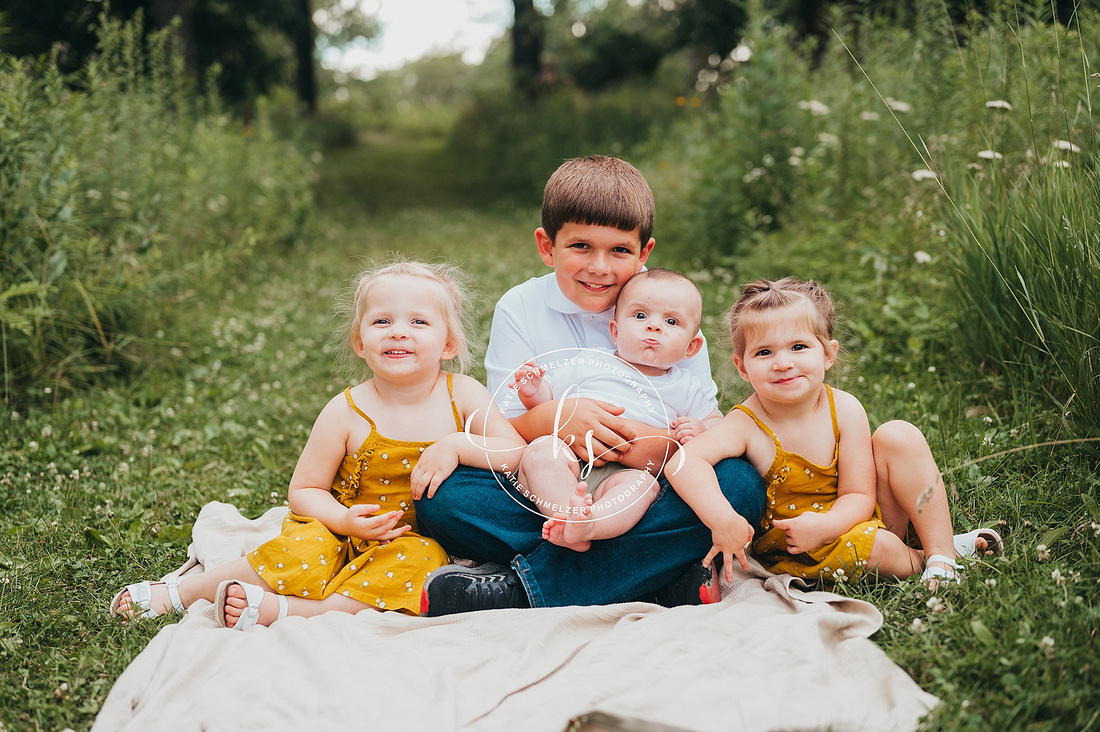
(534, 319)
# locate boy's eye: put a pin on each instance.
(622, 250)
(578, 245)
(639, 315)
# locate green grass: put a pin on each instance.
(102, 488)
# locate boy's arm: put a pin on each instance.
(573, 419)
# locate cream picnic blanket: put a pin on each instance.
(770, 656)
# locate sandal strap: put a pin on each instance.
(172, 582)
(283, 607)
(941, 558)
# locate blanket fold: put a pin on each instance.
(769, 656)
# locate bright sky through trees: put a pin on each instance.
(412, 28)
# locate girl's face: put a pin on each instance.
(404, 334)
(784, 359)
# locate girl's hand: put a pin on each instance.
(806, 531)
(685, 428)
(359, 522)
(528, 379)
(731, 539)
(437, 462)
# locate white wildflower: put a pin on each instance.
(1046, 645)
(922, 256)
(827, 138)
(794, 161)
(1095, 528)
(998, 104)
(869, 116)
(990, 155)
(798, 151)
(1066, 146)
(93, 194)
(815, 107)
(931, 369)
(935, 604)
(1060, 164)
(898, 105)
(917, 626)
(1044, 553)
(1059, 580)
(910, 385)
(991, 582)
(922, 174)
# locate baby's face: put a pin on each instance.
(656, 325)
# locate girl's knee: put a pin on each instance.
(896, 437)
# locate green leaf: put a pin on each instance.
(982, 633)
(1053, 535)
(94, 537)
(1091, 506)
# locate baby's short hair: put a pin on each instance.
(601, 191)
(667, 276)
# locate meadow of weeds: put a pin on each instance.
(101, 487)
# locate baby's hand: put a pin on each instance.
(359, 522)
(731, 539)
(528, 379)
(806, 531)
(437, 462)
(685, 428)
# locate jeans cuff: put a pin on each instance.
(527, 579)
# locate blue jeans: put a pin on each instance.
(472, 516)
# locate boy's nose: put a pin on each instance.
(599, 264)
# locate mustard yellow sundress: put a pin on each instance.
(796, 485)
(308, 560)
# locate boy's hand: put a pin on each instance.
(359, 522)
(579, 416)
(806, 531)
(685, 428)
(731, 538)
(436, 463)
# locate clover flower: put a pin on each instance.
(1043, 552)
(922, 256)
(998, 104)
(1066, 146)
(869, 116)
(922, 174)
(989, 155)
(816, 108)
(898, 105)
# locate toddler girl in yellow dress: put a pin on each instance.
(839, 499)
(349, 541)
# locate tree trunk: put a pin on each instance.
(527, 48)
(304, 39)
(163, 13)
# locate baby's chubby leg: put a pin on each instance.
(618, 503)
(548, 474)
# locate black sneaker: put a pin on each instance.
(454, 589)
(697, 586)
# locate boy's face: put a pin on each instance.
(591, 263)
(656, 325)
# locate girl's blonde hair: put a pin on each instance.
(762, 296)
(452, 298)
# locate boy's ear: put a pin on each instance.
(643, 255)
(694, 346)
(545, 245)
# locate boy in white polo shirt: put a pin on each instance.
(656, 327)
(597, 221)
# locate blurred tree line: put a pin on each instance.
(253, 45)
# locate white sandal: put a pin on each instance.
(253, 595)
(966, 544)
(948, 573)
(141, 597)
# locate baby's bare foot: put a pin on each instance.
(572, 530)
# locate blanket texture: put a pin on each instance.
(769, 656)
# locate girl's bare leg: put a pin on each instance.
(203, 586)
(910, 490)
(301, 607)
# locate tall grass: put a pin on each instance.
(120, 189)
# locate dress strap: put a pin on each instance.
(760, 424)
(351, 403)
(832, 413)
(454, 407)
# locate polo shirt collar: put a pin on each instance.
(558, 302)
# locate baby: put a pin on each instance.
(656, 325)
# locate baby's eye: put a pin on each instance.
(639, 315)
(672, 321)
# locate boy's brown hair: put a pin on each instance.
(600, 191)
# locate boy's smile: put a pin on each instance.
(591, 263)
